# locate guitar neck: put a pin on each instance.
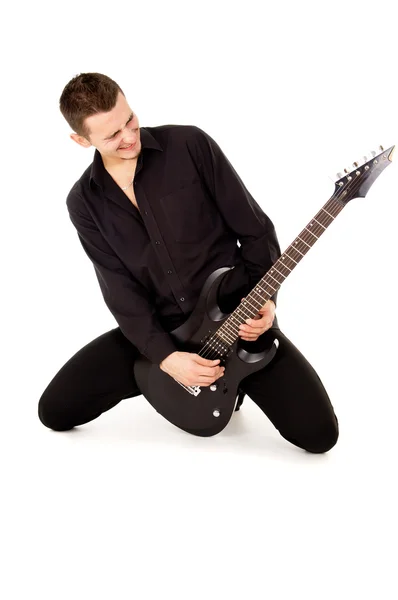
(349, 185)
(276, 275)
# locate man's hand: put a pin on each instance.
(191, 369)
(261, 323)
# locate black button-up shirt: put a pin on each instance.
(151, 263)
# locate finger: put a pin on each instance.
(249, 336)
(266, 321)
(267, 313)
(206, 380)
(209, 371)
(250, 330)
(204, 361)
(265, 328)
(259, 321)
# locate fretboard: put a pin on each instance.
(273, 279)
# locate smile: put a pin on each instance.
(129, 147)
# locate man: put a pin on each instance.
(157, 211)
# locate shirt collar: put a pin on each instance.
(97, 167)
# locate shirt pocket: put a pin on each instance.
(188, 213)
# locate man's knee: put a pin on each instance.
(52, 418)
(323, 440)
(320, 440)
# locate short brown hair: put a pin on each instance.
(85, 95)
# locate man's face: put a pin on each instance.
(113, 130)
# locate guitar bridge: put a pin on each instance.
(192, 389)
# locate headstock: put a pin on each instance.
(356, 183)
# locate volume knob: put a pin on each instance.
(213, 387)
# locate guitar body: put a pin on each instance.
(208, 412)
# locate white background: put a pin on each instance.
(128, 506)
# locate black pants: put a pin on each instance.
(100, 375)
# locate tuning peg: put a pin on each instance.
(355, 164)
(373, 153)
(339, 175)
(381, 148)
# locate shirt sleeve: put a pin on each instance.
(127, 299)
(256, 233)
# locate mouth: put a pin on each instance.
(128, 147)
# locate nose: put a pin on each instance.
(130, 137)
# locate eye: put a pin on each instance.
(115, 134)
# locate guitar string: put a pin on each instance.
(211, 352)
(296, 247)
(300, 247)
(333, 205)
(229, 336)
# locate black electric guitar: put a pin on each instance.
(206, 410)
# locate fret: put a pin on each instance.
(265, 290)
(240, 309)
(283, 257)
(269, 275)
(247, 300)
(319, 223)
(304, 242)
(258, 285)
(220, 334)
(312, 233)
(295, 249)
(327, 213)
(259, 288)
(228, 337)
(283, 266)
(284, 276)
(256, 292)
(271, 286)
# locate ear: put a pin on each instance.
(79, 139)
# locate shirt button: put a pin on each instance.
(182, 299)
(169, 272)
(157, 242)
(145, 212)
